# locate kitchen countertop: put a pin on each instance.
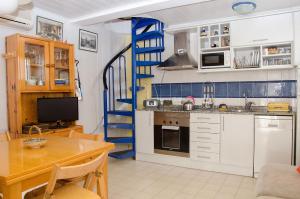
(260, 111)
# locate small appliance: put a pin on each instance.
(279, 107)
(151, 103)
(172, 133)
(218, 59)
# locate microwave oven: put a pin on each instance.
(220, 59)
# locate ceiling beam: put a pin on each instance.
(133, 9)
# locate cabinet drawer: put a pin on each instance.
(206, 118)
(205, 127)
(205, 157)
(205, 147)
(274, 124)
(205, 137)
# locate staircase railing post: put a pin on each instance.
(134, 82)
(105, 117)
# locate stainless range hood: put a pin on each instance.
(182, 58)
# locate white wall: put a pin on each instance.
(90, 68)
(297, 61)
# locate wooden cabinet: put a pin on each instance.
(61, 67)
(41, 65)
(144, 131)
(36, 68)
(237, 140)
(261, 30)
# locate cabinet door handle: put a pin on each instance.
(272, 125)
(223, 124)
(257, 40)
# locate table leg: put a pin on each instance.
(12, 191)
(105, 173)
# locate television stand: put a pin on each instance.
(59, 125)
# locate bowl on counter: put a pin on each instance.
(35, 143)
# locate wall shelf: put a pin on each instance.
(221, 70)
(278, 55)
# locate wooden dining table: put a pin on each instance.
(22, 168)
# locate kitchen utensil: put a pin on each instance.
(167, 103)
(40, 83)
(35, 143)
(151, 103)
(188, 106)
(223, 107)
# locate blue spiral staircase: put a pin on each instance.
(146, 50)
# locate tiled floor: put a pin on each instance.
(129, 179)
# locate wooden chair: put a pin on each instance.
(92, 170)
(95, 137)
(5, 136)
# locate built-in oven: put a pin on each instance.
(172, 133)
(220, 59)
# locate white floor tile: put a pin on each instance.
(129, 179)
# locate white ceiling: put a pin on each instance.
(77, 8)
(213, 10)
(169, 11)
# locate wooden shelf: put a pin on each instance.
(277, 55)
(36, 65)
(220, 70)
(216, 49)
(62, 68)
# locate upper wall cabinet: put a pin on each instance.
(42, 65)
(262, 30)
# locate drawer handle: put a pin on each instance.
(203, 118)
(272, 125)
(203, 147)
(203, 128)
(204, 157)
(204, 138)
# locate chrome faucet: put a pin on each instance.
(248, 105)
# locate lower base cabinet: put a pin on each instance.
(237, 140)
(144, 131)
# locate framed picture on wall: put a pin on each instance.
(49, 28)
(88, 41)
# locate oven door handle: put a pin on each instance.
(176, 128)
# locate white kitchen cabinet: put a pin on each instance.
(237, 140)
(144, 130)
(261, 30)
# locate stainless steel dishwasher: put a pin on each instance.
(274, 141)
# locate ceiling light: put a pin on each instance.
(8, 6)
(244, 6)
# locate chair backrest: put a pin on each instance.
(89, 169)
(5, 136)
(95, 137)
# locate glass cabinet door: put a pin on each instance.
(62, 67)
(35, 65)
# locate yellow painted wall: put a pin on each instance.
(147, 92)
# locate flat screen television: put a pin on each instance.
(63, 109)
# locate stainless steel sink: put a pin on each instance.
(239, 110)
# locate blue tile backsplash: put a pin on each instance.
(255, 89)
